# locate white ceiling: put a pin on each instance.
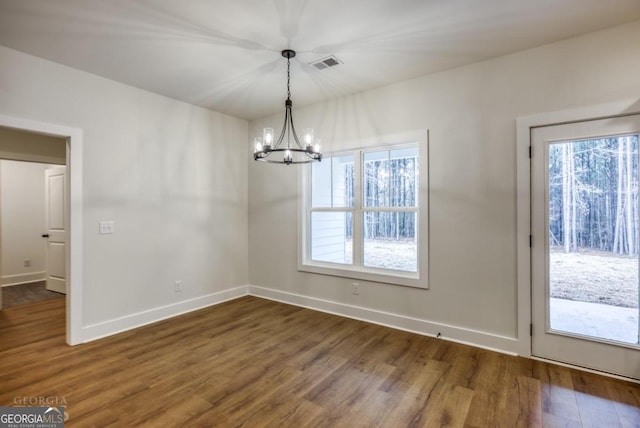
(225, 54)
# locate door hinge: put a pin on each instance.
(530, 241)
(531, 330)
(529, 152)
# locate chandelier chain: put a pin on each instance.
(288, 79)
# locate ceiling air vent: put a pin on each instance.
(327, 62)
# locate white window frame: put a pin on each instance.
(417, 279)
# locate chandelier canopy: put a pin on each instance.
(287, 149)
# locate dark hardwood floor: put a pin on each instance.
(252, 362)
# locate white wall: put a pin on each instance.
(471, 114)
(22, 221)
(172, 176)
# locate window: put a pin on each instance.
(332, 206)
(361, 213)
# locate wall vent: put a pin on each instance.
(327, 62)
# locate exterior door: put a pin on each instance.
(585, 228)
(55, 200)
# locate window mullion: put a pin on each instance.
(392, 209)
(331, 182)
(334, 210)
(357, 240)
(389, 178)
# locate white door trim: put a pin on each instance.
(74, 259)
(523, 196)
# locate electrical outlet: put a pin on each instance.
(27, 262)
(107, 227)
(177, 287)
(355, 288)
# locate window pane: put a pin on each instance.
(330, 237)
(321, 184)
(342, 178)
(404, 177)
(332, 181)
(390, 240)
(376, 179)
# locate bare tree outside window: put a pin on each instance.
(594, 223)
(386, 210)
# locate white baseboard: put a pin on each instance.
(502, 344)
(129, 322)
(23, 278)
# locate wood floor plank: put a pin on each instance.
(418, 397)
(626, 400)
(489, 402)
(257, 363)
(558, 395)
(596, 407)
(451, 408)
(556, 421)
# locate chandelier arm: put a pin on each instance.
(293, 130)
(288, 114)
(313, 156)
(284, 129)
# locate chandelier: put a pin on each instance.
(288, 146)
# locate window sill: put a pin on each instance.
(407, 279)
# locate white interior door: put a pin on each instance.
(585, 229)
(55, 200)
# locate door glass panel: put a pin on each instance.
(593, 238)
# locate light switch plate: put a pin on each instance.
(107, 227)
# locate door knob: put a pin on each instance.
(45, 235)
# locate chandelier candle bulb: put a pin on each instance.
(267, 137)
(258, 144)
(308, 136)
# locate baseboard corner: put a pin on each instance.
(129, 322)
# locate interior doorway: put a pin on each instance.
(29, 201)
(72, 138)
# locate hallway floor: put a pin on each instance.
(27, 293)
